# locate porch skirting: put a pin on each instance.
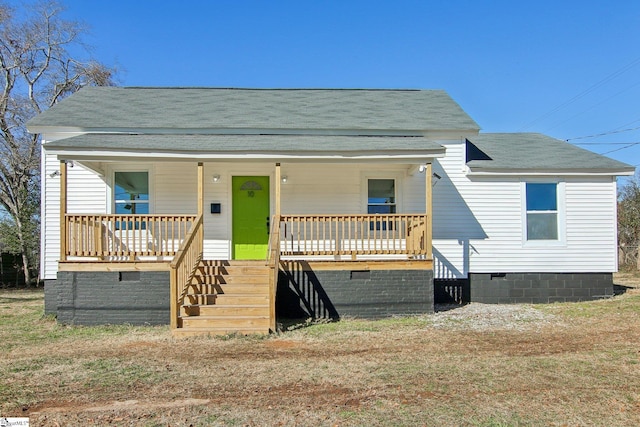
(305, 292)
(142, 297)
(99, 298)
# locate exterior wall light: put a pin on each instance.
(216, 178)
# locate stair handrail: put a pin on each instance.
(184, 265)
(273, 262)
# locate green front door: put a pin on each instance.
(250, 207)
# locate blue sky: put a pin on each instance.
(509, 64)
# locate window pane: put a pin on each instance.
(382, 191)
(542, 197)
(542, 226)
(131, 186)
(131, 193)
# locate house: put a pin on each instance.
(216, 210)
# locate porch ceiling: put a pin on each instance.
(246, 147)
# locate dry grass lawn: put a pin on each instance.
(556, 365)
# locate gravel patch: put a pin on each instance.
(483, 317)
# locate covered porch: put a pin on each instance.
(176, 242)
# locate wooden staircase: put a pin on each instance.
(226, 297)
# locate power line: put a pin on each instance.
(584, 93)
(621, 148)
(595, 135)
(627, 124)
(555, 125)
(601, 143)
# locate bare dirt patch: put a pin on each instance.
(132, 404)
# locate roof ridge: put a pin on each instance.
(275, 89)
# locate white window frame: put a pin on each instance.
(561, 214)
(111, 207)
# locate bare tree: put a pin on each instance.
(37, 69)
(629, 223)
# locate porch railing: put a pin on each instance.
(183, 267)
(125, 236)
(371, 234)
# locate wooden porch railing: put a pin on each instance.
(183, 267)
(125, 236)
(371, 234)
(273, 261)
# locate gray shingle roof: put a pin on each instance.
(534, 152)
(211, 108)
(303, 145)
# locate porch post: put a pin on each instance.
(200, 188)
(429, 208)
(274, 254)
(278, 181)
(63, 210)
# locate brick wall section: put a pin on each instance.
(97, 298)
(539, 287)
(339, 293)
(50, 297)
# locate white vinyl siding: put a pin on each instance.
(590, 233)
(86, 193)
(455, 226)
(478, 224)
(50, 226)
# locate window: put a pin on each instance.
(542, 211)
(381, 196)
(381, 199)
(131, 193)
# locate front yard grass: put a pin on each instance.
(580, 365)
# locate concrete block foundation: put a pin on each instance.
(98, 298)
(304, 292)
(536, 288)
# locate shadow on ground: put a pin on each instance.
(620, 289)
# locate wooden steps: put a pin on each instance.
(231, 322)
(226, 297)
(222, 310)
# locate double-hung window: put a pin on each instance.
(542, 211)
